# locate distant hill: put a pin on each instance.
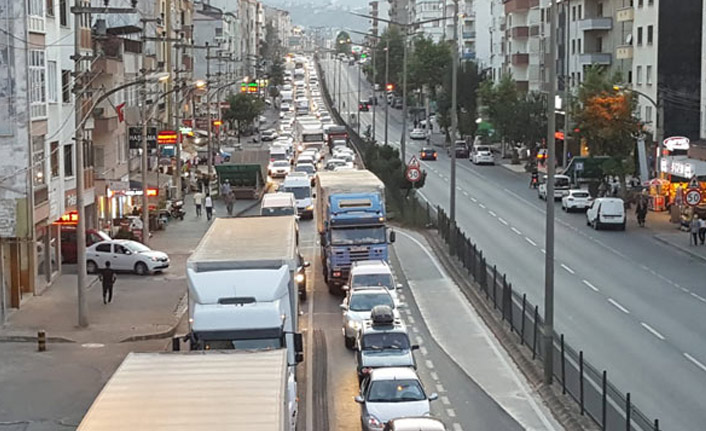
(328, 13)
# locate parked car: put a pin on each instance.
(417, 134)
(427, 154)
(576, 199)
(606, 212)
(419, 423)
(125, 255)
(68, 241)
(462, 151)
(562, 184)
(397, 103)
(390, 393)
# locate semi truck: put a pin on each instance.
(351, 222)
(197, 391)
(243, 286)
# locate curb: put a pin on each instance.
(679, 248)
(32, 339)
(563, 410)
(511, 168)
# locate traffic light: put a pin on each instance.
(363, 55)
(389, 87)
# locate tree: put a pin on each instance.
(429, 64)
(501, 102)
(468, 80)
(271, 47)
(243, 110)
(393, 36)
(343, 43)
(276, 72)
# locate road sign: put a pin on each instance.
(413, 162)
(413, 172)
(693, 197)
(694, 183)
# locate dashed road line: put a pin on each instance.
(440, 388)
(699, 297)
(465, 193)
(684, 289)
(429, 364)
(588, 283)
(473, 199)
(529, 240)
(652, 331)
(458, 188)
(544, 251)
(434, 376)
(503, 221)
(445, 400)
(451, 413)
(410, 320)
(568, 269)
(481, 205)
(423, 351)
(618, 306)
(457, 427)
(419, 340)
(695, 361)
(415, 329)
(492, 213)
(517, 231)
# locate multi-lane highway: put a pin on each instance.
(635, 306)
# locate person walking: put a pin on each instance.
(230, 202)
(107, 276)
(694, 227)
(198, 201)
(641, 211)
(208, 204)
(702, 231)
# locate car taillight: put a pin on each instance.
(424, 154)
(337, 273)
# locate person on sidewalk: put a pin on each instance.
(107, 277)
(702, 231)
(225, 188)
(208, 204)
(198, 201)
(641, 211)
(694, 230)
(230, 202)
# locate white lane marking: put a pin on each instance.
(451, 413)
(481, 205)
(423, 350)
(445, 400)
(652, 330)
(465, 193)
(568, 269)
(415, 330)
(618, 306)
(699, 297)
(458, 188)
(419, 340)
(410, 319)
(503, 221)
(684, 289)
(492, 213)
(517, 231)
(529, 240)
(695, 361)
(429, 364)
(588, 283)
(457, 427)
(544, 251)
(434, 376)
(473, 199)
(440, 388)
(402, 298)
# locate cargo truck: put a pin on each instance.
(350, 221)
(197, 391)
(246, 173)
(243, 281)
(309, 134)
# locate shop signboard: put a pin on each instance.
(167, 137)
(135, 138)
(677, 143)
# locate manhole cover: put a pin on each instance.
(92, 345)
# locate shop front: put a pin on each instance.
(680, 174)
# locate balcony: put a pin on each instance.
(624, 52)
(520, 5)
(625, 14)
(519, 32)
(596, 24)
(469, 34)
(468, 55)
(520, 59)
(603, 59)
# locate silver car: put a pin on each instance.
(357, 306)
(125, 255)
(390, 393)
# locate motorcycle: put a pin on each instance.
(534, 182)
(176, 210)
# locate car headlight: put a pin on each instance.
(374, 422)
(354, 324)
(154, 258)
(299, 278)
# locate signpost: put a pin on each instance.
(693, 194)
(413, 172)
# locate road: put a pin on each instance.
(633, 305)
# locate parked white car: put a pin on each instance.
(125, 255)
(417, 134)
(562, 185)
(606, 212)
(576, 199)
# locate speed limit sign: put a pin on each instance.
(693, 197)
(413, 174)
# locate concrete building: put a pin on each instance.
(281, 22)
(524, 26)
(490, 36)
(249, 27)
(219, 29)
(401, 11)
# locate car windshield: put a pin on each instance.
(305, 168)
(278, 156)
(385, 340)
(281, 164)
(561, 182)
(358, 235)
(372, 280)
(136, 247)
(313, 137)
(366, 301)
(301, 192)
(277, 211)
(395, 391)
(259, 344)
(427, 150)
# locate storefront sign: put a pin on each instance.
(167, 137)
(681, 169)
(135, 137)
(677, 143)
(150, 192)
(118, 186)
(70, 199)
(68, 218)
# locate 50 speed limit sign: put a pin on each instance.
(693, 197)
(413, 174)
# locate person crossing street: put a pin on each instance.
(107, 277)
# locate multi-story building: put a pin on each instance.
(525, 53)
(401, 11)
(489, 21)
(281, 23)
(431, 9)
(248, 14)
(374, 23)
(218, 28)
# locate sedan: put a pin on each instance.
(417, 134)
(428, 154)
(576, 200)
(390, 393)
(125, 255)
(363, 106)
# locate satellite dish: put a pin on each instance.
(628, 39)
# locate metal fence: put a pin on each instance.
(590, 388)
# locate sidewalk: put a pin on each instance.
(460, 332)
(143, 307)
(669, 233)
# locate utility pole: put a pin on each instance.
(548, 329)
(375, 95)
(387, 80)
(403, 140)
(177, 120)
(454, 114)
(340, 65)
(209, 147)
(143, 91)
(168, 57)
(358, 101)
(567, 84)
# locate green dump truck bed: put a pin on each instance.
(246, 172)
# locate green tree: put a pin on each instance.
(429, 64)
(500, 103)
(243, 110)
(468, 80)
(393, 36)
(276, 72)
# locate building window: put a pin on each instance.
(54, 157)
(52, 94)
(640, 3)
(37, 83)
(69, 160)
(648, 75)
(50, 8)
(648, 114)
(651, 2)
(650, 34)
(578, 45)
(639, 36)
(66, 86)
(36, 8)
(580, 13)
(629, 76)
(38, 165)
(63, 13)
(573, 13)
(638, 75)
(573, 46)
(600, 10)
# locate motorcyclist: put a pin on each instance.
(535, 178)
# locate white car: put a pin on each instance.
(125, 255)
(389, 393)
(482, 154)
(306, 158)
(279, 168)
(605, 212)
(309, 169)
(357, 306)
(373, 273)
(417, 134)
(332, 164)
(562, 185)
(576, 199)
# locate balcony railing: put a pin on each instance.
(624, 52)
(469, 34)
(519, 32)
(41, 194)
(520, 5)
(469, 55)
(36, 24)
(38, 111)
(601, 58)
(596, 24)
(520, 59)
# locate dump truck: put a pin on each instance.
(197, 391)
(246, 173)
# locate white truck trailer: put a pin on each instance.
(197, 391)
(243, 291)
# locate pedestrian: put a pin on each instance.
(230, 202)
(702, 230)
(641, 211)
(225, 188)
(208, 204)
(694, 228)
(198, 201)
(107, 276)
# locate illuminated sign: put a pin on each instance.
(150, 192)
(167, 137)
(676, 143)
(217, 123)
(68, 218)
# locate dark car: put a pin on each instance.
(462, 151)
(372, 100)
(397, 103)
(363, 106)
(428, 154)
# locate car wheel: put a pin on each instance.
(141, 268)
(349, 342)
(91, 267)
(588, 221)
(565, 209)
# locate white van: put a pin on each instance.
(277, 204)
(278, 153)
(605, 212)
(301, 188)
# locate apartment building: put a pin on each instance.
(248, 14)
(281, 23)
(525, 50)
(401, 11)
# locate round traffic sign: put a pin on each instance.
(693, 197)
(413, 174)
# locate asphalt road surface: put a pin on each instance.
(634, 306)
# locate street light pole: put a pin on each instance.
(454, 116)
(209, 159)
(567, 84)
(358, 101)
(403, 142)
(340, 65)
(143, 90)
(548, 327)
(375, 95)
(387, 80)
